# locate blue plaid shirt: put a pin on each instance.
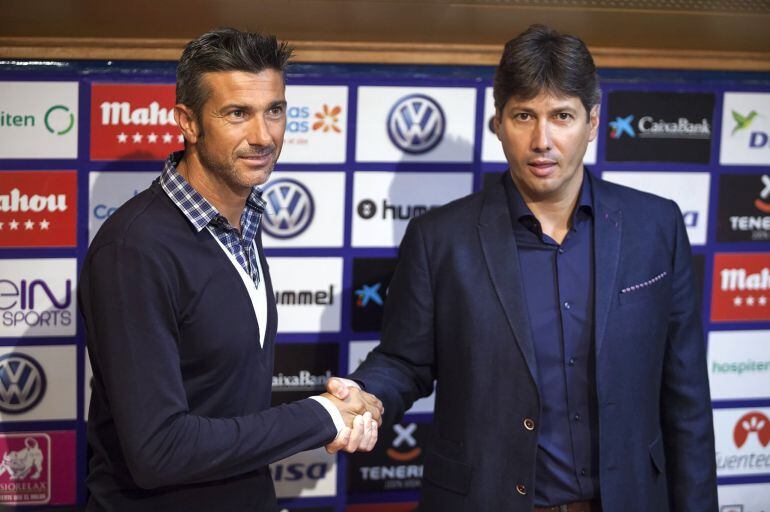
(202, 214)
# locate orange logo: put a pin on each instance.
(328, 119)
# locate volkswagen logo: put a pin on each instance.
(289, 208)
(416, 124)
(22, 383)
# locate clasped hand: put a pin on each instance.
(361, 412)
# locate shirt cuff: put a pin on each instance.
(336, 415)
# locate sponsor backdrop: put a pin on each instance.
(367, 148)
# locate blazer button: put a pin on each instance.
(529, 424)
(521, 489)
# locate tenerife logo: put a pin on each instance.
(762, 203)
(416, 124)
(404, 436)
(289, 210)
(368, 293)
(742, 122)
(328, 119)
(753, 423)
(22, 383)
(620, 126)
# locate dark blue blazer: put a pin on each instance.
(455, 314)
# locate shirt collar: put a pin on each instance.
(524, 215)
(193, 205)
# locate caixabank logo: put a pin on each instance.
(371, 278)
(37, 468)
(745, 129)
(304, 209)
(38, 208)
(307, 474)
(394, 464)
(301, 370)
(316, 124)
(742, 441)
(659, 127)
(133, 122)
(38, 120)
(741, 287)
(431, 124)
(37, 297)
(744, 208)
(37, 383)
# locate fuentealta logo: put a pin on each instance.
(753, 423)
(416, 124)
(290, 208)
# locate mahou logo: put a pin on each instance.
(38, 208)
(741, 290)
(133, 122)
(752, 424)
(37, 468)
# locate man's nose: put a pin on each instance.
(541, 137)
(258, 133)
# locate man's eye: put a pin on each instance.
(238, 114)
(276, 111)
(564, 116)
(523, 116)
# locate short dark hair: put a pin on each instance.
(225, 49)
(541, 59)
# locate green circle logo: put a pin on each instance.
(59, 120)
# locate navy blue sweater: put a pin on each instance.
(180, 415)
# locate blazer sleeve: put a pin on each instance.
(687, 423)
(402, 368)
(129, 303)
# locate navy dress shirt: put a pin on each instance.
(559, 293)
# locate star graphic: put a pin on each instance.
(1, 225)
(44, 224)
(749, 300)
(737, 300)
(137, 138)
(152, 138)
(762, 300)
(180, 138)
(167, 138)
(122, 137)
(29, 224)
(367, 293)
(13, 225)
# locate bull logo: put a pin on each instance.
(19, 464)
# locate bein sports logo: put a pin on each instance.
(622, 125)
(22, 383)
(416, 124)
(289, 210)
(20, 463)
(404, 435)
(752, 423)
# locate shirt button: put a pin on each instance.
(572, 361)
(583, 472)
(561, 250)
(529, 424)
(521, 489)
(577, 416)
(567, 304)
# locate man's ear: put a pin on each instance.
(187, 122)
(593, 119)
(496, 122)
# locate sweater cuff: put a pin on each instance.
(336, 415)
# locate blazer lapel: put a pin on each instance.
(502, 259)
(272, 313)
(607, 231)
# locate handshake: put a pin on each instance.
(361, 413)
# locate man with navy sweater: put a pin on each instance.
(557, 315)
(180, 313)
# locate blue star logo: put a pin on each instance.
(622, 125)
(367, 293)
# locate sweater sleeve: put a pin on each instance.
(130, 303)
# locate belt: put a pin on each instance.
(575, 506)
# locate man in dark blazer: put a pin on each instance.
(558, 316)
(180, 313)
